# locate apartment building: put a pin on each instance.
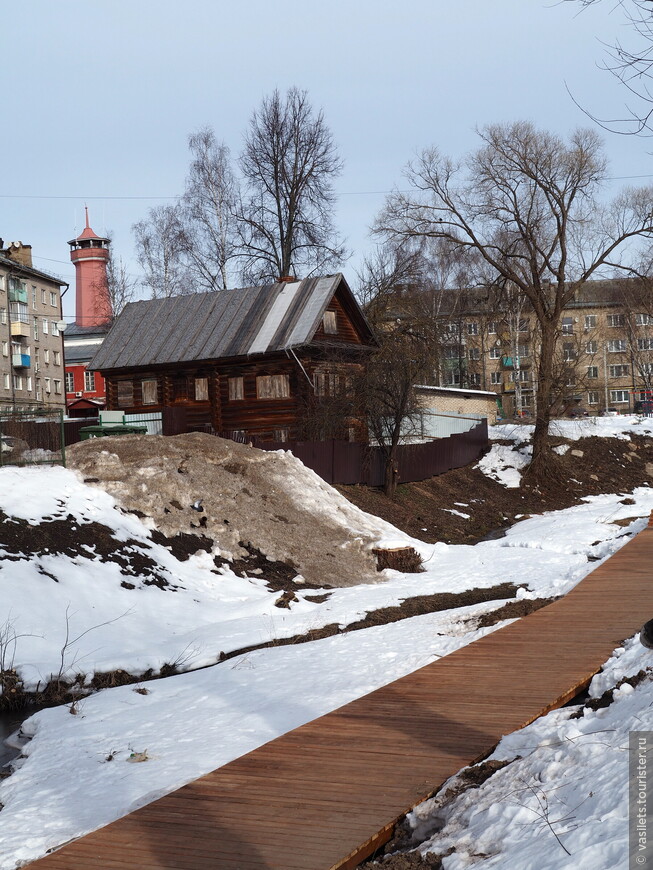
(604, 356)
(31, 330)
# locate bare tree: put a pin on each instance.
(288, 164)
(161, 245)
(632, 66)
(208, 212)
(526, 203)
(401, 315)
(120, 287)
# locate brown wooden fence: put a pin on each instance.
(351, 462)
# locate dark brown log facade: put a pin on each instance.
(269, 395)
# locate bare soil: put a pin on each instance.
(421, 509)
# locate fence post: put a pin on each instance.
(62, 435)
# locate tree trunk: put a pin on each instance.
(542, 460)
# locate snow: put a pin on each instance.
(456, 513)
(505, 463)
(584, 427)
(191, 723)
(571, 773)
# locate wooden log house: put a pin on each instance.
(248, 361)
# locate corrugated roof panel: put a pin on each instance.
(308, 320)
(240, 339)
(194, 330)
(273, 321)
(158, 331)
(119, 338)
(236, 305)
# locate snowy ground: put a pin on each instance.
(190, 724)
(506, 462)
(562, 802)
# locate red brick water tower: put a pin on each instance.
(90, 254)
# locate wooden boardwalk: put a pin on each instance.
(324, 796)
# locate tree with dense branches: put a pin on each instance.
(526, 204)
(288, 164)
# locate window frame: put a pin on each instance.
(201, 388)
(150, 391)
(236, 388)
(273, 387)
(125, 393)
(330, 322)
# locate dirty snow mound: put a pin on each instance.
(237, 495)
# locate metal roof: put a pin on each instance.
(218, 325)
(75, 353)
(15, 266)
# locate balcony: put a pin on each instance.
(508, 362)
(20, 360)
(18, 328)
(18, 294)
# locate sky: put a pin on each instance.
(99, 99)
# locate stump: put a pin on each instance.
(405, 559)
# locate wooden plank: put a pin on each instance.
(326, 795)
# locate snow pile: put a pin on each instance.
(621, 427)
(505, 464)
(269, 500)
(561, 802)
(115, 620)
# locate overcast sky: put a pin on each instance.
(98, 99)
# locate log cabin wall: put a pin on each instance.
(346, 333)
(250, 412)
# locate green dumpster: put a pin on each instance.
(101, 431)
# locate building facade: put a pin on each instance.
(604, 356)
(31, 330)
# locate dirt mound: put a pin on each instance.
(241, 498)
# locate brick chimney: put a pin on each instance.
(20, 253)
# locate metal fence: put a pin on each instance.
(28, 438)
(443, 425)
(352, 462)
(153, 421)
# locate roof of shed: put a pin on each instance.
(222, 324)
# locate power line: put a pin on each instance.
(177, 196)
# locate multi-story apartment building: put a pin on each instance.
(31, 330)
(604, 356)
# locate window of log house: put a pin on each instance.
(272, 387)
(125, 394)
(201, 389)
(236, 389)
(330, 323)
(149, 388)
